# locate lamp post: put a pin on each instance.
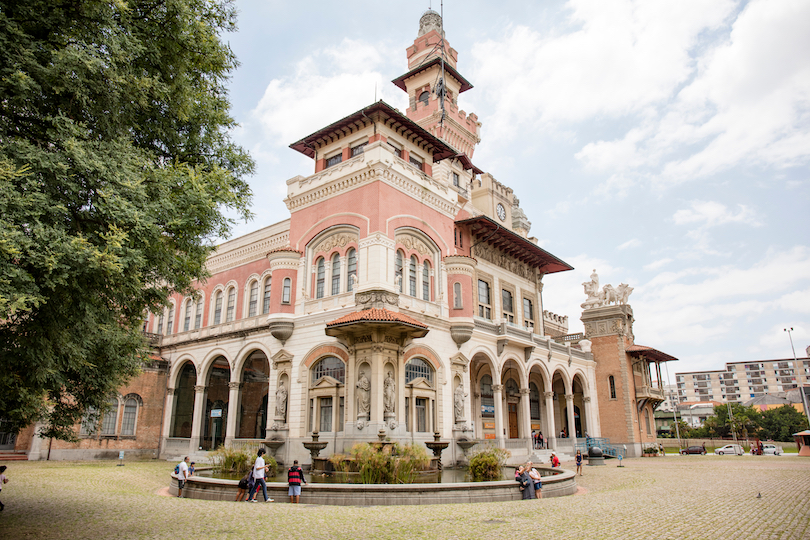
(799, 384)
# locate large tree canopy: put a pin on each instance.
(116, 174)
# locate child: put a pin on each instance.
(191, 468)
(244, 485)
(579, 462)
(3, 480)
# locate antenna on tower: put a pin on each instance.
(441, 89)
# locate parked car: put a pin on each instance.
(769, 449)
(735, 449)
(693, 450)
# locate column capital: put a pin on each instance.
(587, 399)
(199, 389)
(524, 391)
(548, 395)
(234, 385)
(170, 391)
(569, 397)
(497, 387)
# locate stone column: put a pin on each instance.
(587, 425)
(234, 396)
(551, 436)
(569, 406)
(526, 413)
(168, 411)
(198, 418)
(497, 393)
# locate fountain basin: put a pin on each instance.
(560, 483)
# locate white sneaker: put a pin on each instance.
(269, 500)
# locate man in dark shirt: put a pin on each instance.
(295, 477)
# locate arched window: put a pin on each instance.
(426, 281)
(484, 306)
(612, 382)
(352, 270)
(253, 302)
(412, 277)
(218, 308)
(89, 422)
(198, 314)
(424, 97)
(534, 402)
(266, 299)
(417, 367)
(335, 274)
(398, 271)
(487, 399)
(110, 417)
(187, 315)
(170, 320)
(231, 304)
(130, 415)
(321, 277)
(286, 291)
(160, 324)
(457, 296)
(511, 387)
(330, 366)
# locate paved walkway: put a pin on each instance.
(675, 497)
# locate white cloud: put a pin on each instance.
(635, 242)
(710, 214)
(327, 85)
(623, 56)
(655, 265)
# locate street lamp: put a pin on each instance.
(799, 384)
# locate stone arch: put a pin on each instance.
(210, 356)
(425, 352)
(325, 349)
(177, 367)
(244, 353)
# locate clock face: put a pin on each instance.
(501, 211)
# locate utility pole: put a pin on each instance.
(796, 367)
(731, 422)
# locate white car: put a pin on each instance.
(735, 449)
(769, 449)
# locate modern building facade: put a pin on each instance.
(743, 381)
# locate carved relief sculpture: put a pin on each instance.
(458, 403)
(608, 295)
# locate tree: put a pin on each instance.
(117, 172)
(781, 423)
(744, 421)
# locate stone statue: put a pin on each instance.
(623, 292)
(398, 283)
(458, 402)
(354, 281)
(281, 401)
(609, 295)
(389, 393)
(592, 290)
(363, 395)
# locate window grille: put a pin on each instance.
(415, 368)
(266, 299)
(331, 366)
(254, 299)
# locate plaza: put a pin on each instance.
(672, 497)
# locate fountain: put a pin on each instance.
(315, 446)
(465, 444)
(274, 445)
(437, 446)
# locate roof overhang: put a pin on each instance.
(649, 353)
(514, 245)
(391, 321)
(450, 70)
(385, 114)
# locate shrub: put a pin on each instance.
(486, 464)
(391, 464)
(239, 461)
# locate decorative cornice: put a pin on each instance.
(411, 242)
(343, 184)
(507, 262)
(460, 264)
(377, 238)
(333, 241)
(255, 251)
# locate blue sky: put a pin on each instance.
(664, 144)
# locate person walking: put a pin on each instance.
(295, 477)
(182, 476)
(3, 480)
(579, 462)
(259, 469)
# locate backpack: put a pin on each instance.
(177, 469)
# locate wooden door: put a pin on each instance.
(513, 421)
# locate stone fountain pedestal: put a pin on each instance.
(437, 446)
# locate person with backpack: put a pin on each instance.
(245, 485)
(295, 477)
(181, 473)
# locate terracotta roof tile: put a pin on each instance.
(376, 315)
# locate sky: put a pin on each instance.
(663, 144)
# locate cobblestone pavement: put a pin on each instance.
(673, 497)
